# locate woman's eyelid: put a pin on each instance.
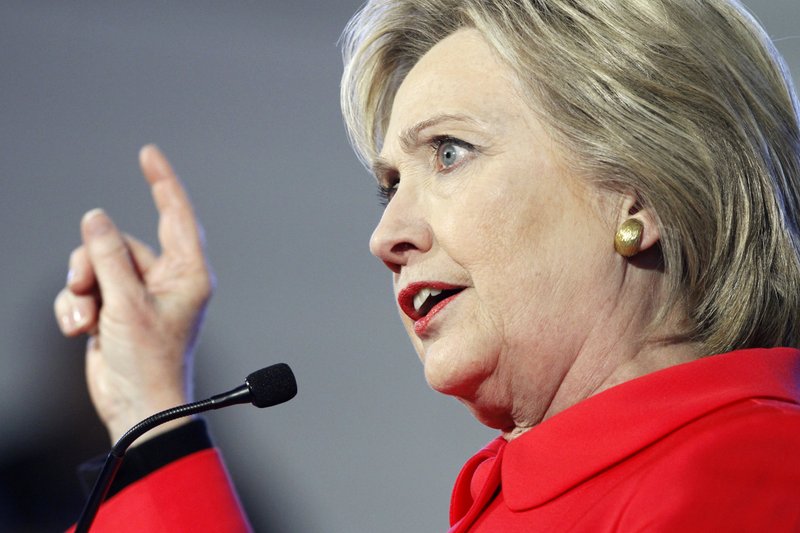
(437, 141)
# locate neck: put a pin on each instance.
(611, 355)
(586, 379)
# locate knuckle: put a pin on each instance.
(204, 287)
(74, 258)
(200, 283)
(108, 246)
(78, 268)
(110, 257)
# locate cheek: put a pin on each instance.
(524, 270)
(494, 231)
(473, 227)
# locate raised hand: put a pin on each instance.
(142, 311)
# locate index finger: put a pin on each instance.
(178, 228)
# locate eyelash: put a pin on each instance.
(385, 193)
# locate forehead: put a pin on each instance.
(461, 75)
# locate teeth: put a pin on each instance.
(424, 294)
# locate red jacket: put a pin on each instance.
(712, 445)
(190, 494)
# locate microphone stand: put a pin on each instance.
(241, 394)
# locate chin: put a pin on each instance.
(471, 383)
(450, 373)
(444, 374)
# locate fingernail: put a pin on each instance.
(72, 320)
(96, 222)
(70, 276)
(78, 318)
(66, 323)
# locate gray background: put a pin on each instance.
(243, 97)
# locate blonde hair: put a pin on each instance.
(685, 102)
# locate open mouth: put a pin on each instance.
(427, 298)
(419, 299)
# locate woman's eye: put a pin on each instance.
(450, 152)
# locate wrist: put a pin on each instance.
(117, 432)
(135, 413)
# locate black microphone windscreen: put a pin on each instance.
(272, 385)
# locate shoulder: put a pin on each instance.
(750, 442)
(745, 433)
(737, 466)
(753, 418)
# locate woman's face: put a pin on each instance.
(482, 208)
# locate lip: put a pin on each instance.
(405, 299)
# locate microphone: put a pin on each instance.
(263, 388)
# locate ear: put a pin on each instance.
(631, 207)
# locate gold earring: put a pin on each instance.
(629, 237)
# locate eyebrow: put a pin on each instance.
(409, 139)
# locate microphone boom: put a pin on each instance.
(263, 388)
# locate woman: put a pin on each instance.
(591, 223)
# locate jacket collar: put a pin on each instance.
(604, 429)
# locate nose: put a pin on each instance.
(402, 232)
